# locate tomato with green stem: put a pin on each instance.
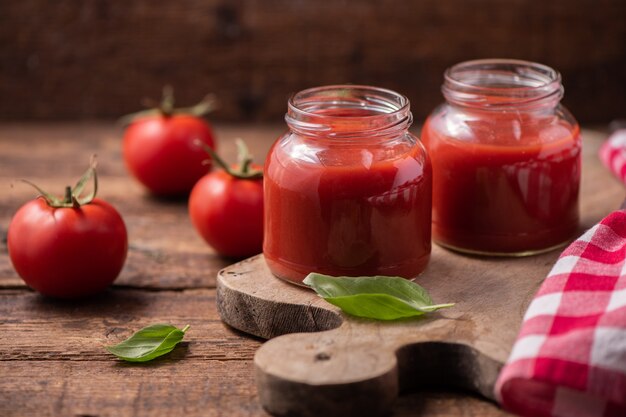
(158, 145)
(68, 247)
(226, 206)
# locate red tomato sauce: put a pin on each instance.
(511, 192)
(352, 210)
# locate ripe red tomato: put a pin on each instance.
(67, 251)
(227, 210)
(159, 152)
(159, 148)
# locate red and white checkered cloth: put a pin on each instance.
(569, 359)
(613, 154)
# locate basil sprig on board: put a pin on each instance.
(149, 343)
(378, 297)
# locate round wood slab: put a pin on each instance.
(321, 362)
(345, 365)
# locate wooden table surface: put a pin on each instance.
(52, 360)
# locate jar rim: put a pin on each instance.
(340, 90)
(499, 82)
(309, 111)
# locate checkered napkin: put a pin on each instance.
(613, 154)
(569, 359)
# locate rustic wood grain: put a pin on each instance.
(98, 58)
(78, 330)
(51, 358)
(96, 388)
(445, 404)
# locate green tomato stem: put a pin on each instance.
(72, 196)
(244, 171)
(70, 200)
(167, 102)
(243, 154)
(185, 328)
(166, 107)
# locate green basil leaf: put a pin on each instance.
(149, 343)
(378, 297)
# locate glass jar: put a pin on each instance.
(347, 188)
(506, 160)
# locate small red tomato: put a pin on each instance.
(226, 207)
(158, 146)
(68, 248)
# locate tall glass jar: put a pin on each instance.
(347, 188)
(506, 159)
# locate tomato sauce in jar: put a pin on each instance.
(348, 188)
(506, 160)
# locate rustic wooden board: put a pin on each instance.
(370, 362)
(106, 388)
(53, 362)
(37, 328)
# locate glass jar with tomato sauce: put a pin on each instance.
(347, 188)
(506, 160)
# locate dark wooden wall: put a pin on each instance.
(69, 59)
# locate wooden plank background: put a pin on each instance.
(68, 59)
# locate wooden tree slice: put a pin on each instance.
(345, 365)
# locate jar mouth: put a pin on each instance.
(348, 110)
(497, 83)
